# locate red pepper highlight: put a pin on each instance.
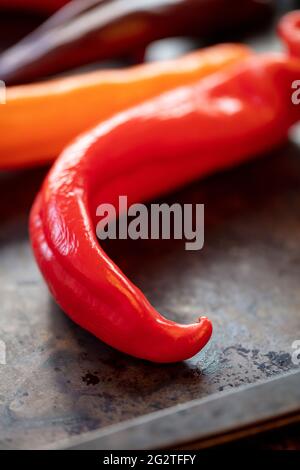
(146, 151)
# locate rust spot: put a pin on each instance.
(90, 379)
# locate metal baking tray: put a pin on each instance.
(62, 388)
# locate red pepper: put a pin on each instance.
(161, 145)
(289, 30)
(107, 29)
(149, 150)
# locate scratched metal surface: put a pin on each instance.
(59, 381)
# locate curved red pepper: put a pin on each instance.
(144, 152)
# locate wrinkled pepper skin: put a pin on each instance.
(144, 152)
(121, 28)
(40, 6)
(29, 122)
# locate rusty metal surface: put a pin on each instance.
(59, 381)
(201, 424)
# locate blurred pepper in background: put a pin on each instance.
(43, 6)
(144, 152)
(38, 120)
(289, 31)
(116, 28)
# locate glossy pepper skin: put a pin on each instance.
(41, 6)
(146, 151)
(80, 102)
(118, 28)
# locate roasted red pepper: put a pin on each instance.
(117, 28)
(146, 151)
(69, 12)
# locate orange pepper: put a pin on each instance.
(39, 120)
